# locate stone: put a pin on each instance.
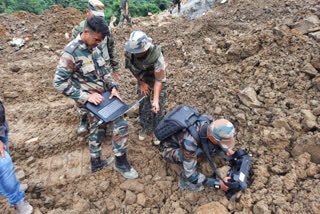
(213, 207)
(316, 83)
(20, 175)
(305, 25)
(310, 121)
(130, 198)
(15, 68)
(248, 97)
(310, 70)
(132, 185)
(261, 208)
(315, 36)
(141, 199)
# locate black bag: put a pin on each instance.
(180, 118)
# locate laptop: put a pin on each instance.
(110, 109)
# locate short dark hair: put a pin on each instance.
(97, 24)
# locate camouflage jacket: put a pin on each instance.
(107, 46)
(86, 70)
(150, 67)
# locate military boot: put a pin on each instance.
(124, 167)
(83, 127)
(98, 164)
(187, 185)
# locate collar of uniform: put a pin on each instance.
(81, 42)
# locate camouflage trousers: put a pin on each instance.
(119, 128)
(148, 119)
(123, 17)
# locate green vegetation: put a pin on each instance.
(137, 7)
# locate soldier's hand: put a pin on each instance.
(145, 88)
(3, 147)
(95, 98)
(223, 186)
(155, 107)
(114, 93)
(115, 76)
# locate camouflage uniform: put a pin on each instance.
(182, 148)
(146, 68)
(123, 12)
(86, 69)
(108, 51)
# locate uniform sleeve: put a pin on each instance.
(112, 53)
(109, 81)
(159, 69)
(190, 161)
(63, 73)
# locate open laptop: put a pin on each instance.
(110, 109)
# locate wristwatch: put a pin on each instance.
(216, 184)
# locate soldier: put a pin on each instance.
(173, 5)
(82, 75)
(96, 8)
(9, 185)
(125, 12)
(146, 63)
(183, 148)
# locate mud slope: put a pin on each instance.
(255, 63)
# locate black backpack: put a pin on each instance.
(180, 118)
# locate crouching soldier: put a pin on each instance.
(183, 148)
(82, 75)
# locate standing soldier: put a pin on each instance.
(96, 8)
(146, 63)
(125, 12)
(82, 75)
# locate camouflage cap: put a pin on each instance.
(138, 42)
(222, 132)
(96, 7)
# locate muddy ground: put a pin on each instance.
(255, 63)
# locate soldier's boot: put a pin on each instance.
(156, 141)
(83, 127)
(142, 134)
(23, 207)
(97, 164)
(122, 166)
(187, 185)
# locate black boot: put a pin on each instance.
(98, 164)
(187, 185)
(124, 167)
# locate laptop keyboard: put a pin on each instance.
(108, 110)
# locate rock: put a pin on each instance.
(141, 199)
(11, 94)
(316, 83)
(310, 70)
(30, 161)
(305, 25)
(213, 207)
(80, 205)
(15, 68)
(20, 175)
(132, 185)
(315, 36)
(179, 43)
(310, 121)
(316, 111)
(33, 140)
(248, 97)
(104, 185)
(261, 208)
(130, 198)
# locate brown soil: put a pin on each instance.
(213, 62)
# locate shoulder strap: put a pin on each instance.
(71, 47)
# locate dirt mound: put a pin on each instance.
(255, 63)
